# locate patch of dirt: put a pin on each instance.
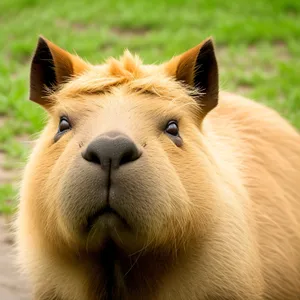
(291, 9)
(221, 50)
(106, 47)
(252, 49)
(282, 50)
(3, 120)
(130, 32)
(292, 13)
(12, 285)
(77, 26)
(61, 23)
(24, 140)
(24, 58)
(244, 89)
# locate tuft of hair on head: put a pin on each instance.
(128, 66)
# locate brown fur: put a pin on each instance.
(218, 218)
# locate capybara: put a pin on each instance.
(148, 183)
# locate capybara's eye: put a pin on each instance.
(172, 128)
(64, 125)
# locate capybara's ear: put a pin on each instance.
(198, 67)
(50, 67)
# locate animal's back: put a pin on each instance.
(266, 150)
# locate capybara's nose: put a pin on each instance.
(111, 150)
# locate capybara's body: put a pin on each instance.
(147, 183)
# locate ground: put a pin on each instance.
(257, 45)
(12, 285)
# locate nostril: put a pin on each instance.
(131, 154)
(91, 156)
(126, 158)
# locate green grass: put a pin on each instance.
(7, 203)
(257, 45)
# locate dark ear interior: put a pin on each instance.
(50, 67)
(206, 77)
(198, 67)
(42, 73)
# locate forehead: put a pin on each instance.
(129, 74)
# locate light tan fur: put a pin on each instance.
(224, 219)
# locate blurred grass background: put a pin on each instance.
(257, 42)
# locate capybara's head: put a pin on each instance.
(122, 158)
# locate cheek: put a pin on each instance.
(62, 159)
(164, 179)
(37, 195)
(199, 179)
(48, 165)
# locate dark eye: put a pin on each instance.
(64, 125)
(172, 128)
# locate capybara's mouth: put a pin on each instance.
(105, 211)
